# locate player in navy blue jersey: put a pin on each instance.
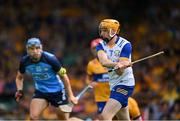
(50, 78)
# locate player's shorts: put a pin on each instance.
(100, 106)
(121, 94)
(55, 98)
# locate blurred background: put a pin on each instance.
(66, 28)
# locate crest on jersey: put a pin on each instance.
(117, 53)
(38, 69)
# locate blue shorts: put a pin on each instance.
(55, 98)
(121, 94)
(100, 106)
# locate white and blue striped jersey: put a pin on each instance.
(122, 48)
(44, 72)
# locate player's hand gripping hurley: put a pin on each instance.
(142, 59)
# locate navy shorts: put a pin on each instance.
(54, 98)
(100, 106)
(121, 94)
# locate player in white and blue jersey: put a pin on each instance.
(50, 79)
(115, 52)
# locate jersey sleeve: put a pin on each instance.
(22, 66)
(99, 47)
(54, 62)
(89, 72)
(126, 50)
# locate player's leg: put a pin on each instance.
(134, 110)
(62, 115)
(118, 99)
(123, 114)
(100, 106)
(111, 108)
(37, 106)
(139, 118)
(60, 101)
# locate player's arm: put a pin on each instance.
(89, 77)
(19, 81)
(89, 80)
(103, 59)
(19, 85)
(89, 73)
(56, 66)
(62, 73)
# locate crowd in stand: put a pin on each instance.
(66, 28)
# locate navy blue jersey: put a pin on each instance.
(44, 72)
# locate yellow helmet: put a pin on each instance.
(110, 24)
